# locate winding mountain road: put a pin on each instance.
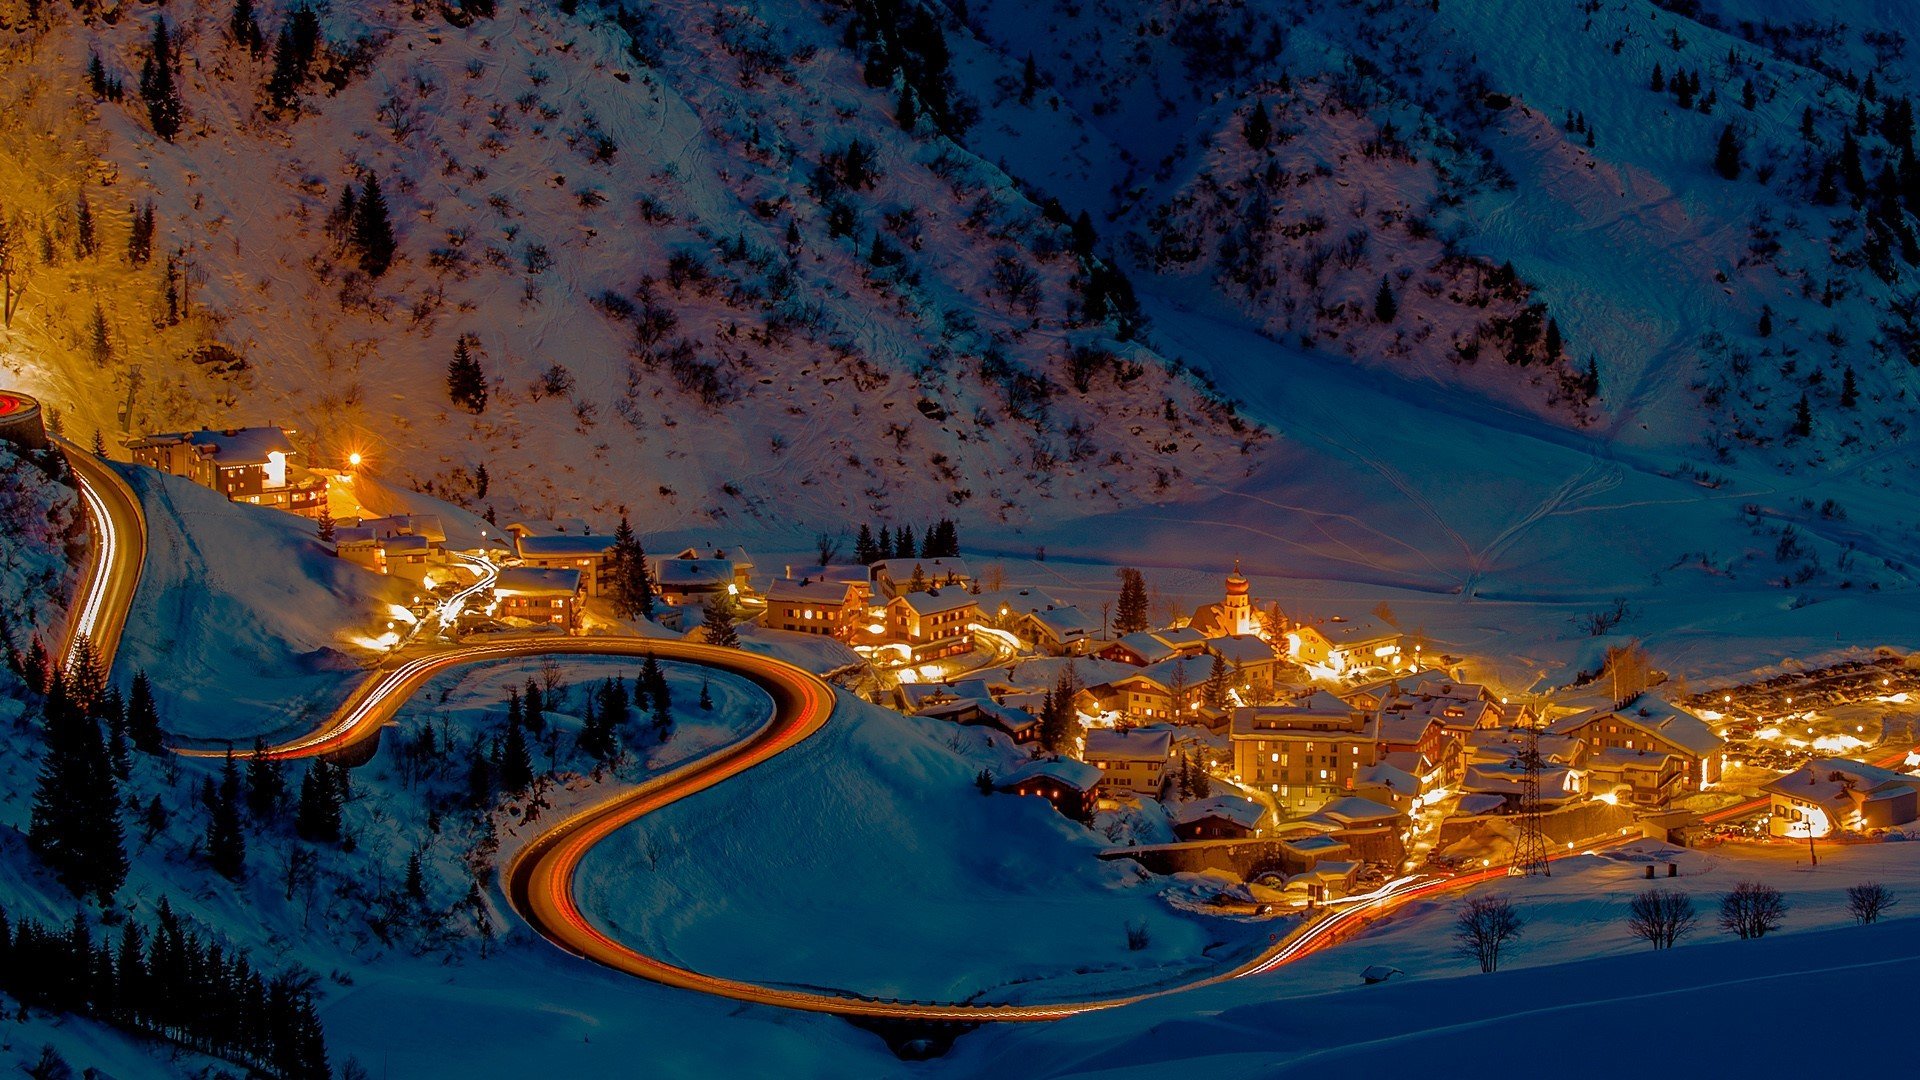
(539, 880)
(117, 554)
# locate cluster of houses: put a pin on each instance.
(254, 465)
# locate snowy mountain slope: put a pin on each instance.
(249, 626)
(1656, 269)
(615, 236)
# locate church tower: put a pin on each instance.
(1236, 611)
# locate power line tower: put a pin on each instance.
(1530, 847)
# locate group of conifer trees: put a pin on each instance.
(940, 541)
(170, 982)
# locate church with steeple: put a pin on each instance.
(1233, 614)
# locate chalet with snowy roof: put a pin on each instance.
(583, 553)
(1005, 608)
(1345, 645)
(694, 576)
(1389, 785)
(1150, 693)
(1069, 785)
(549, 597)
(1302, 754)
(1233, 615)
(892, 577)
(930, 625)
(1140, 648)
(1252, 661)
(410, 547)
(1559, 785)
(1222, 817)
(1017, 724)
(828, 608)
(1061, 631)
(1651, 724)
(1328, 880)
(1646, 775)
(1828, 795)
(1131, 762)
(1354, 812)
(258, 466)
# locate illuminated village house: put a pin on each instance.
(552, 597)
(257, 465)
(548, 550)
(410, 547)
(1130, 762)
(932, 625)
(1069, 785)
(1655, 748)
(1828, 795)
(1303, 755)
(827, 608)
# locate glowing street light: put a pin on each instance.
(353, 460)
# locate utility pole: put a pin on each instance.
(1530, 847)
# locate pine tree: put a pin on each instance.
(75, 820)
(243, 28)
(266, 783)
(466, 382)
(717, 621)
(1726, 157)
(283, 85)
(629, 582)
(157, 84)
(1385, 307)
(1849, 390)
(864, 551)
(1748, 98)
(226, 843)
(113, 712)
(918, 582)
(1802, 418)
(1851, 172)
(884, 546)
(706, 697)
(516, 765)
(1057, 720)
(416, 882)
(317, 815)
(140, 235)
(1765, 327)
(143, 719)
(903, 543)
(85, 243)
(373, 234)
(1258, 128)
(1658, 83)
(533, 708)
(1201, 783)
(1029, 80)
(324, 525)
(1130, 615)
(1215, 691)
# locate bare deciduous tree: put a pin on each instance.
(1484, 928)
(1661, 917)
(1869, 900)
(828, 545)
(1752, 910)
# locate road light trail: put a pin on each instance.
(118, 554)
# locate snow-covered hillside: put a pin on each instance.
(705, 272)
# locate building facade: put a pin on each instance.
(258, 466)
